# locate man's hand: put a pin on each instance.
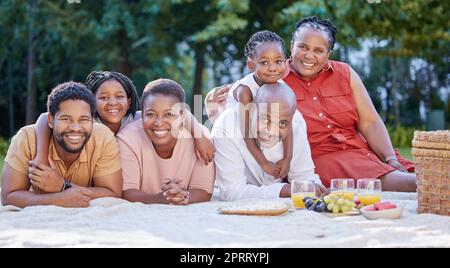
(204, 149)
(76, 197)
(395, 164)
(286, 190)
(174, 192)
(45, 178)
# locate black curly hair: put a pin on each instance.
(96, 78)
(69, 91)
(315, 23)
(164, 87)
(262, 37)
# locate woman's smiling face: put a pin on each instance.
(162, 117)
(310, 51)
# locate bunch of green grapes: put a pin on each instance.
(338, 204)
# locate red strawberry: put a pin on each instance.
(379, 205)
(371, 208)
(387, 206)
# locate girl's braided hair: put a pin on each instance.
(96, 78)
(261, 37)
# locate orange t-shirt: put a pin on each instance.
(99, 157)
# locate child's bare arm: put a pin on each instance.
(245, 99)
(43, 134)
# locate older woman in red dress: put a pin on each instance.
(348, 139)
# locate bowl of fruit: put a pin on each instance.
(382, 210)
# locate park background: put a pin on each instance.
(400, 48)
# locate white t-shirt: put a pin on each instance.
(239, 176)
(249, 81)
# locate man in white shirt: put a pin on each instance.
(238, 175)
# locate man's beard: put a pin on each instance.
(60, 140)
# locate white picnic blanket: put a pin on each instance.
(110, 222)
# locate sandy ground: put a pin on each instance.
(110, 222)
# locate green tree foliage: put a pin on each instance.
(180, 39)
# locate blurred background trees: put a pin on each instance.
(400, 48)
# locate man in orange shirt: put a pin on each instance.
(84, 157)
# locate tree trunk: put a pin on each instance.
(11, 126)
(124, 66)
(394, 90)
(2, 60)
(216, 73)
(199, 66)
(30, 116)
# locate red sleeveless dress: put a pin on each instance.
(337, 148)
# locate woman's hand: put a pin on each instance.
(395, 164)
(215, 99)
(218, 94)
(204, 149)
(320, 189)
(174, 192)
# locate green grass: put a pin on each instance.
(405, 152)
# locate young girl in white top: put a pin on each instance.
(266, 59)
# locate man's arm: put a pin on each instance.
(107, 186)
(302, 165)
(15, 191)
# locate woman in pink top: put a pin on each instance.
(159, 164)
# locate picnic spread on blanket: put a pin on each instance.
(360, 215)
(112, 222)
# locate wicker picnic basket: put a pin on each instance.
(431, 152)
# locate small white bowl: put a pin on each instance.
(393, 213)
